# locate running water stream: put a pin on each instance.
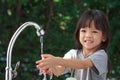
(43, 72)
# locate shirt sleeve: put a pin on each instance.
(99, 60)
(70, 54)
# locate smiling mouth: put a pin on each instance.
(88, 41)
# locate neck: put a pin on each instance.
(87, 52)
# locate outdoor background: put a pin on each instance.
(58, 18)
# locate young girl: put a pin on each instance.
(90, 60)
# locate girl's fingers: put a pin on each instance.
(45, 63)
(45, 68)
(46, 55)
(42, 64)
(40, 61)
(45, 58)
(37, 62)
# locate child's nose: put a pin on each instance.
(88, 34)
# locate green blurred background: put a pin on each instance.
(58, 18)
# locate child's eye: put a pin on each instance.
(82, 30)
(95, 31)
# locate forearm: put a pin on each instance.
(75, 63)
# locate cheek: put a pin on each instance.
(80, 38)
(99, 39)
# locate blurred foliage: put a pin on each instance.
(58, 18)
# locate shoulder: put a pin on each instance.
(71, 53)
(99, 53)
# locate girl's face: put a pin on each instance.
(90, 37)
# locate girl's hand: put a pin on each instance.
(47, 62)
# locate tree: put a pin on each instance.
(58, 18)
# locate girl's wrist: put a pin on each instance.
(60, 61)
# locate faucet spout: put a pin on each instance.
(40, 32)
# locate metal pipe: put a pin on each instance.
(39, 31)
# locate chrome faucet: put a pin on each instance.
(9, 72)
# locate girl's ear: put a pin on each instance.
(104, 39)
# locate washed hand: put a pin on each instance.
(47, 62)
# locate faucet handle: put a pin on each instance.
(14, 72)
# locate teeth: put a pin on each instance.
(88, 41)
